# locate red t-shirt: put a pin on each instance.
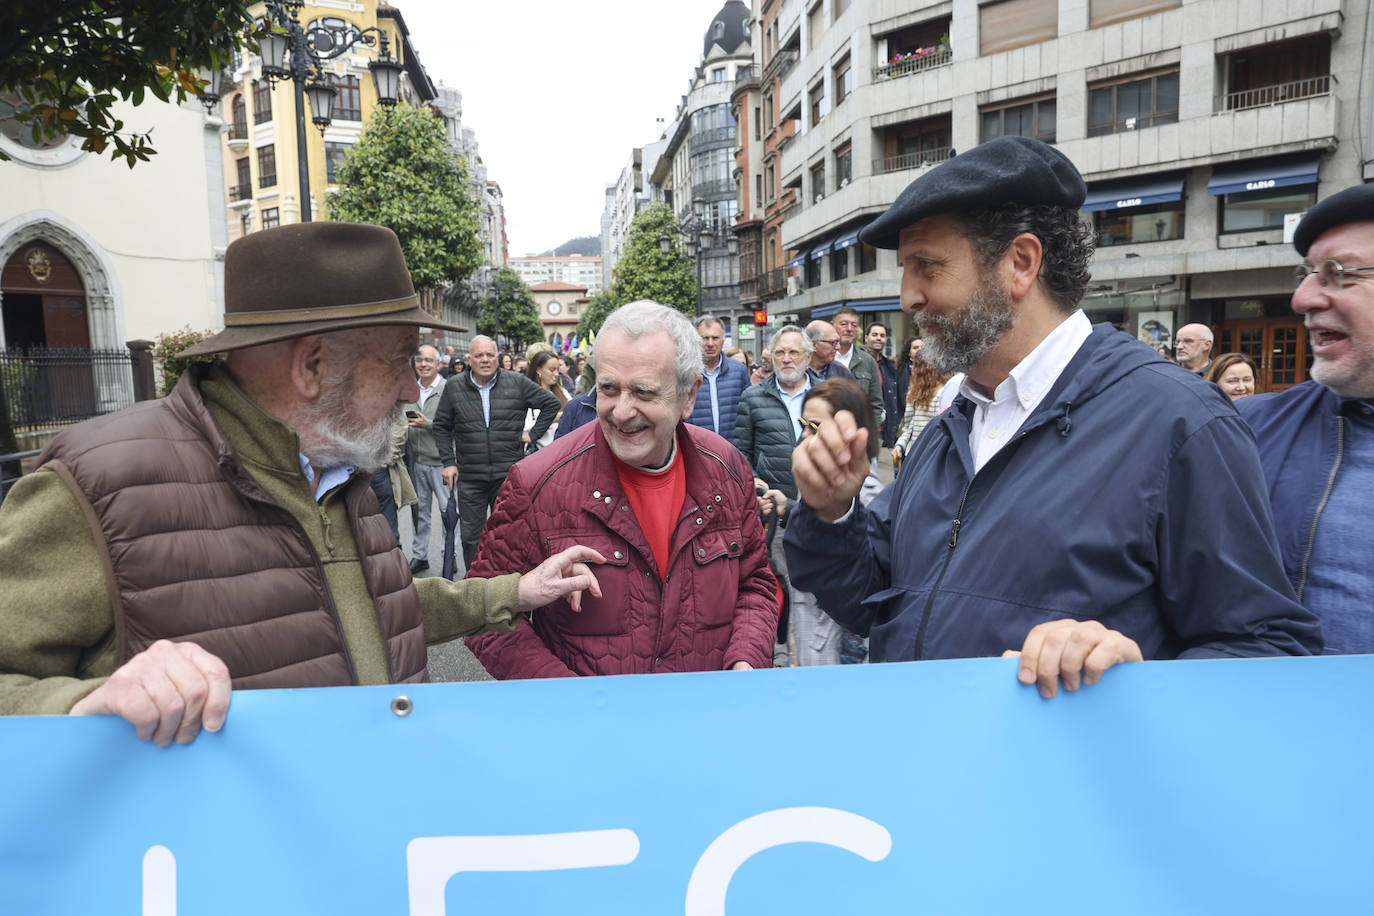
(656, 500)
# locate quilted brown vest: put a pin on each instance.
(195, 550)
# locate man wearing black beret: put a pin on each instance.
(1316, 440)
(1082, 503)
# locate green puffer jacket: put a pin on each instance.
(765, 435)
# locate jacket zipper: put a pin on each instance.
(949, 555)
(1330, 485)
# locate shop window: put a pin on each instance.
(1133, 103)
(1106, 12)
(1011, 24)
(1035, 118)
(1249, 211)
(1133, 225)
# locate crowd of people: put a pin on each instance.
(1063, 494)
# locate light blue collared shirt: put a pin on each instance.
(330, 478)
(794, 404)
(710, 375)
(485, 391)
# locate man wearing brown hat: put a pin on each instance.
(226, 535)
(1316, 440)
(1082, 503)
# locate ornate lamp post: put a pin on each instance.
(701, 235)
(292, 52)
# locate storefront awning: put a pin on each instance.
(846, 239)
(1138, 193)
(820, 250)
(859, 305)
(799, 260)
(1263, 174)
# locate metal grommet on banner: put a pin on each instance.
(401, 706)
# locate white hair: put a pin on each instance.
(635, 319)
(807, 345)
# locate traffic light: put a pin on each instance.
(760, 316)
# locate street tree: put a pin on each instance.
(402, 174)
(645, 272)
(595, 313)
(71, 61)
(510, 300)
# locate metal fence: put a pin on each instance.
(1277, 94)
(912, 160)
(44, 387)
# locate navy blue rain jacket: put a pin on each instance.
(1300, 434)
(731, 380)
(1133, 495)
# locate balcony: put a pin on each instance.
(918, 61)
(710, 139)
(1265, 96)
(238, 136)
(784, 61)
(912, 160)
(773, 284)
(714, 190)
(240, 193)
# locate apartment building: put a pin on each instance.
(582, 271)
(1203, 128)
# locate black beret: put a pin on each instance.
(1352, 205)
(1018, 170)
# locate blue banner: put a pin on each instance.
(936, 787)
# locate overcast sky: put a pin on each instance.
(559, 94)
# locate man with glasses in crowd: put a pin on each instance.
(824, 343)
(427, 468)
(1316, 440)
(1193, 348)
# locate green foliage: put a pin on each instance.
(594, 315)
(519, 315)
(165, 350)
(645, 272)
(72, 60)
(401, 174)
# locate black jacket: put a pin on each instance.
(482, 451)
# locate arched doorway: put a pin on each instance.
(42, 299)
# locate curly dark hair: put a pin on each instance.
(845, 394)
(1067, 242)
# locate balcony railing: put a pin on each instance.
(912, 160)
(717, 136)
(268, 180)
(773, 284)
(714, 189)
(916, 62)
(786, 61)
(238, 130)
(1277, 94)
(241, 192)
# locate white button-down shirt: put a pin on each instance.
(996, 419)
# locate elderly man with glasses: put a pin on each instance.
(1193, 348)
(825, 341)
(1316, 440)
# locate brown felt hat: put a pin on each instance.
(310, 278)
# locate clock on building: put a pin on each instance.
(555, 308)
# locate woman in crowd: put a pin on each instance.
(506, 361)
(1235, 373)
(543, 370)
(905, 357)
(738, 356)
(922, 405)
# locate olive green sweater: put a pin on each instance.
(56, 622)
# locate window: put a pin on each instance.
(839, 264)
(768, 111)
(758, 190)
(333, 155)
(718, 75)
(262, 102)
(839, 8)
(815, 25)
(1133, 225)
(769, 181)
(244, 189)
(813, 272)
(818, 180)
(1249, 211)
(1011, 24)
(1279, 72)
(844, 165)
(267, 166)
(844, 80)
(1021, 119)
(868, 258)
(238, 122)
(348, 103)
(714, 118)
(817, 99)
(1133, 104)
(246, 222)
(1106, 12)
(719, 30)
(758, 131)
(269, 218)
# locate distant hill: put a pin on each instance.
(587, 245)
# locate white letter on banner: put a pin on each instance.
(159, 882)
(432, 860)
(711, 878)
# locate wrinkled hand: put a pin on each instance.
(773, 501)
(563, 575)
(830, 466)
(897, 454)
(168, 691)
(450, 476)
(1079, 651)
(421, 421)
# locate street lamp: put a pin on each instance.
(290, 51)
(700, 235)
